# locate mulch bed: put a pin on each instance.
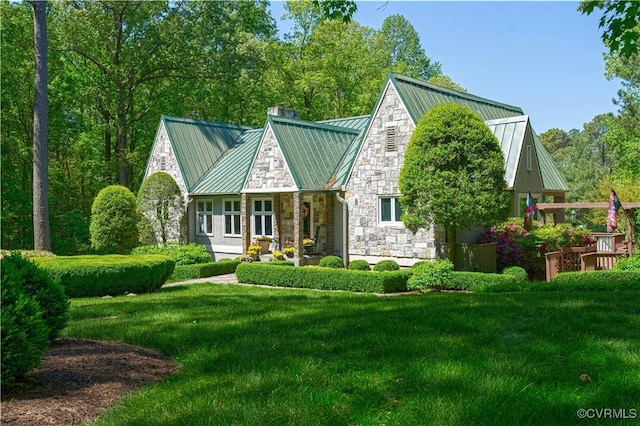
(78, 380)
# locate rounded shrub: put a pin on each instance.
(334, 262)
(431, 275)
(25, 335)
(114, 220)
(359, 265)
(182, 254)
(386, 265)
(516, 271)
(35, 282)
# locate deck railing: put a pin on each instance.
(579, 259)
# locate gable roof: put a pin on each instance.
(312, 149)
(420, 96)
(199, 144)
(228, 174)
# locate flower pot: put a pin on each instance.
(264, 246)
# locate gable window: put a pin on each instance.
(231, 217)
(390, 210)
(262, 215)
(204, 217)
(390, 141)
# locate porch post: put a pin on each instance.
(297, 227)
(245, 221)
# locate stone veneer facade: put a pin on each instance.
(163, 159)
(375, 173)
(269, 169)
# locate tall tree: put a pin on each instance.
(41, 232)
(619, 22)
(405, 52)
(453, 174)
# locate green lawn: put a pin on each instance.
(256, 356)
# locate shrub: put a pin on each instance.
(288, 251)
(203, 270)
(334, 262)
(516, 271)
(475, 281)
(277, 255)
(160, 202)
(359, 265)
(386, 265)
(114, 220)
(322, 278)
(629, 263)
(36, 283)
(431, 275)
(597, 280)
(182, 254)
(25, 335)
(108, 275)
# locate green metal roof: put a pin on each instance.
(510, 132)
(311, 149)
(199, 144)
(420, 96)
(552, 180)
(228, 174)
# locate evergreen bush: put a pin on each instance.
(331, 262)
(182, 254)
(431, 275)
(386, 265)
(359, 265)
(516, 271)
(204, 270)
(114, 220)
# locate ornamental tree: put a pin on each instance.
(114, 220)
(453, 174)
(162, 206)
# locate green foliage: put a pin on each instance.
(386, 265)
(433, 275)
(25, 335)
(475, 281)
(598, 280)
(108, 275)
(203, 270)
(114, 220)
(277, 256)
(182, 254)
(619, 22)
(629, 263)
(331, 262)
(322, 278)
(516, 271)
(36, 283)
(453, 173)
(160, 202)
(359, 265)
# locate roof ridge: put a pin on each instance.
(205, 122)
(452, 92)
(311, 124)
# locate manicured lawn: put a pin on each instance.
(255, 356)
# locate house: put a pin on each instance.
(335, 181)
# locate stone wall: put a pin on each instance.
(269, 169)
(375, 174)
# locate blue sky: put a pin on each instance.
(544, 57)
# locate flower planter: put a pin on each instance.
(264, 246)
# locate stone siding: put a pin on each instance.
(269, 170)
(375, 174)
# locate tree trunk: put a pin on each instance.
(451, 244)
(41, 231)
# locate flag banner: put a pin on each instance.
(529, 211)
(614, 206)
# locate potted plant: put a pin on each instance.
(264, 242)
(308, 246)
(253, 251)
(288, 251)
(277, 255)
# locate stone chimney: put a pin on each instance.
(283, 111)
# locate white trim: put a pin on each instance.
(233, 213)
(397, 221)
(205, 213)
(262, 213)
(219, 248)
(268, 190)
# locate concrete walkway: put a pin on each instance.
(217, 279)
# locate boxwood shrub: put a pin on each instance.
(322, 278)
(516, 271)
(182, 254)
(476, 281)
(575, 281)
(331, 262)
(386, 265)
(108, 275)
(203, 270)
(359, 265)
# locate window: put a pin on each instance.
(529, 158)
(262, 214)
(390, 209)
(390, 142)
(231, 217)
(205, 217)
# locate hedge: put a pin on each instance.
(182, 254)
(108, 275)
(323, 278)
(203, 270)
(476, 281)
(575, 281)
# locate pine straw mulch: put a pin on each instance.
(78, 380)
